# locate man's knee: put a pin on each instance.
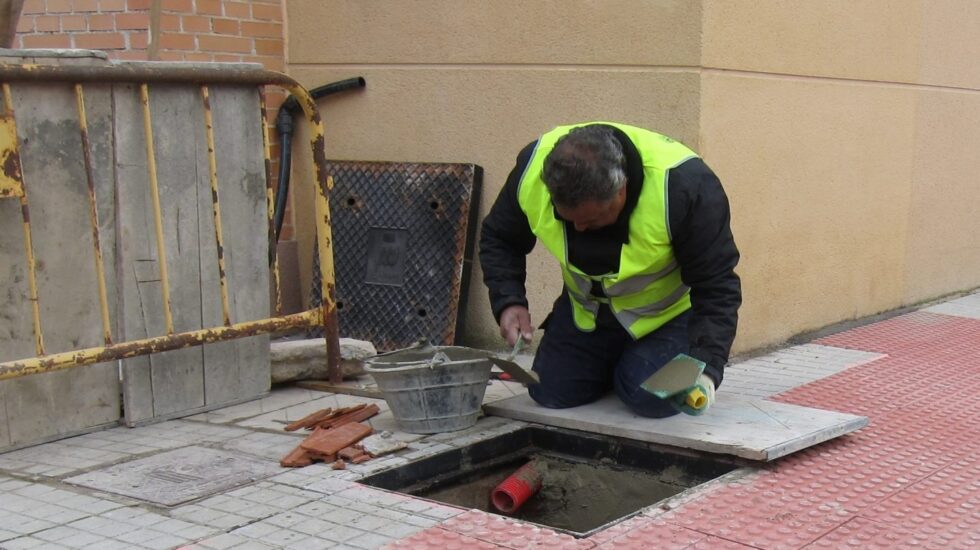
(565, 399)
(648, 405)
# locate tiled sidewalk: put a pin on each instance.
(911, 479)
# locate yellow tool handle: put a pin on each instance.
(696, 398)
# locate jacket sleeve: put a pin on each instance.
(505, 241)
(700, 229)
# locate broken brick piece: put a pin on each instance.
(338, 465)
(321, 457)
(349, 453)
(357, 415)
(362, 458)
(309, 420)
(329, 442)
(297, 458)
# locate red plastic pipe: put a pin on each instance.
(514, 491)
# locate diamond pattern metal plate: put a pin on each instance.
(178, 476)
(403, 244)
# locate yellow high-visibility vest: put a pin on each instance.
(647, 291)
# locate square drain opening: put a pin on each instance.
(589, 481)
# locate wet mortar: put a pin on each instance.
(575, 495)
(589, 481)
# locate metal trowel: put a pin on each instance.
(677, 382)
(515, 371)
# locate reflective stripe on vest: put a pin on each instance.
(647, 291)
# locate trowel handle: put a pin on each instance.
(693, 401)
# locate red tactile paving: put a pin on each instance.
(864, 534)
(911, 479)
(508, 533)
(654, 532)
(440, 539)
(945, 506)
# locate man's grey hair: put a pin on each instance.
(587, 164)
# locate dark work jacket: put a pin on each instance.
(699, 222)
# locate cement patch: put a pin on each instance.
(178, 476)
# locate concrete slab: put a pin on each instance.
(178, 476)
(966, 306)
(749, 428)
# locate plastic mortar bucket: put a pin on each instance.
(432, 389)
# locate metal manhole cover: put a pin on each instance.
(177, 476)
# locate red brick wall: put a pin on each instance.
(189, 30)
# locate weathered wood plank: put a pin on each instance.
(168, 382)
(44, 406)
(172, 383)
(240, 368)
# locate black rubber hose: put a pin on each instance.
(284, 128)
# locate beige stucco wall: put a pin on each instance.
(845, 133)
(476, 81)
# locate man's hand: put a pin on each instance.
(698, 399)
(515, 322)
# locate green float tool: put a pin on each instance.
(677, 382)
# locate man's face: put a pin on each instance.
(592, 215)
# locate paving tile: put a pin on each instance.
(866, 534)
(317, 477)
(441, 539)
(944, 506)
(21, 524)
(82, 540)
(313, 543)
(715, 543)
(104, 526)
(265, 445)
(313, 526)
(279, 399)
(967, 306)
(135, 515)
(641, 532)
(109, 544)
(762, 514)
(399, 530)
(29, 542)
(223, 541)
(787, 368)
(60, 532)
(165, 542)
(278, 419)
(283, 537)
(510, 533)
(369, 541)
(339, 533)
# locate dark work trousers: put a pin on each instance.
(579, 367)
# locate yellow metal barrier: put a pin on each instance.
(12, 185)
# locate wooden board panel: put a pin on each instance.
(241, 186)
(181, 382)
(47, 406)
(169, 382)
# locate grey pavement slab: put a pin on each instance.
(178, 476)
(749, 428)
(967, 306)
(280, 398)
(788, 368)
